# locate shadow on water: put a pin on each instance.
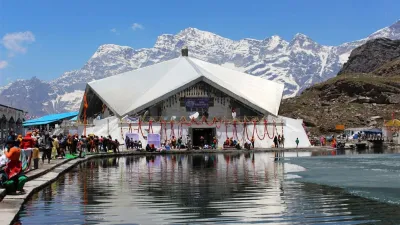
(196, 188)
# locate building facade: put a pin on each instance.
(11, 119)
(187, 97)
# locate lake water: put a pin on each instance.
(223, 189)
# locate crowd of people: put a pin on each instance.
(57, 146)
(90, 143)
(133, 144)
(279, 141)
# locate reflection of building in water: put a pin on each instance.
(242, 188)
(198, 183)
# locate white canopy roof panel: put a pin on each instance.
(133, 91)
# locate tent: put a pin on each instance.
(152, 84)
(393, 123)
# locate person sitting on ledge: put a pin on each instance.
(167, 147)
(237, 145)
(226, 143)
(214, 143)
(140, 146)
(173, 142)
(231, 142)
(13, 178)
(234, 143)
(247, 144)
(148, 148)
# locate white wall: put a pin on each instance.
(292, 129)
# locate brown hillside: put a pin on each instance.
(347, 99)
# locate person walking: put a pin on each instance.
(297, 142)
(46, 146)
(56, 147)
(276, 141)
(35, 156)
(283, 141)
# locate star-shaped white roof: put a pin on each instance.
(133, 91)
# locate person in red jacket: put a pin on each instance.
(13, 179)
(27, 141)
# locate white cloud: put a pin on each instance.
(14, 42)
(137, 26)
(115, 31)
(3, 64)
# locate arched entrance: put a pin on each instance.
(3, 129)
(11, 124)
(19, 126)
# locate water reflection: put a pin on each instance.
(376, 150)
(209, 188)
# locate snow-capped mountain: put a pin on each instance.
(297, 63)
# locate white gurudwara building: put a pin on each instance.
(188, 97)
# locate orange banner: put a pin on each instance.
(340, 127)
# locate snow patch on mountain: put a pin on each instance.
(298, 64)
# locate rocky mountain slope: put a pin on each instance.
(297, 63)
(367, 86)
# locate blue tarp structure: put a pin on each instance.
(50, 119)
(74, 118)
(373, 131)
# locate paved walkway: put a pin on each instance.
(11, 204)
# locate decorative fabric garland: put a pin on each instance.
(180, 130)
(234, 130)
(165, 131)
(172, 134)
(140, 128)
(130, 127)
(266, 128)
(150, 127)
(183, 121)
(226, 131)
(122, 132)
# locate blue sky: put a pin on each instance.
(47, 38)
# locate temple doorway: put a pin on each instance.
(207, 133)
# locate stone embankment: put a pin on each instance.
(48, 173)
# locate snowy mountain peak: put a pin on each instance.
(300, 36)
(274, 42)
(164, 40)
(303, 41)
(391, 32)
(109, 48)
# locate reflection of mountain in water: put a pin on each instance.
(223, 188)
